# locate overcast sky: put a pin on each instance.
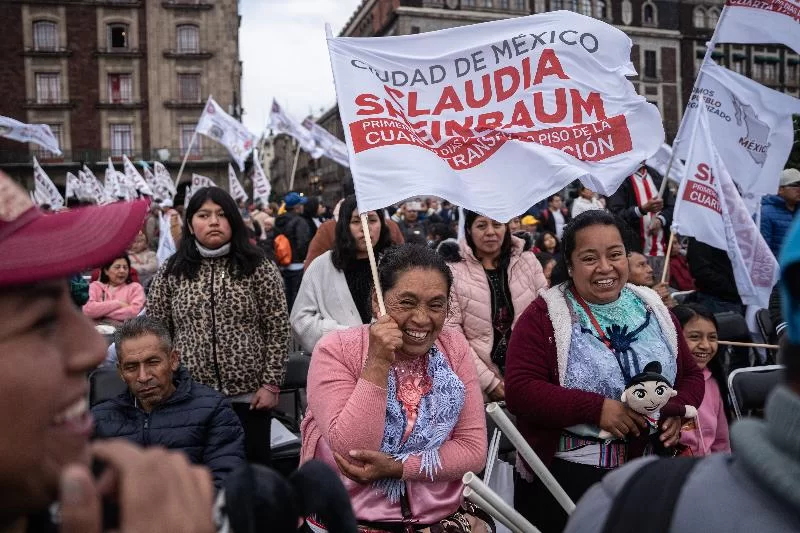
(284, 55)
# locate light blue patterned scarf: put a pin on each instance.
(437, 415)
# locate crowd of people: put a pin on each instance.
(555, 313)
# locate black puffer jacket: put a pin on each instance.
(196, 420)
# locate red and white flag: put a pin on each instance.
(216, 124)
(709, 208)
(751, 126)
(235, 187)
(760, 21)
(261, 185)
(493, 116)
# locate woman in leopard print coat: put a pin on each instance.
(225, 307)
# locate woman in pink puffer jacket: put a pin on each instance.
(493, 284)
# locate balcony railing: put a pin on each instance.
(48, 104)
(118, 3)
(57, 51)
(198, 5)
(180, 54)
(110, 104)
(119, 52)
(183, 104)
(210, 152)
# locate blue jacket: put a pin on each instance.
(775, 221)
(196, 420)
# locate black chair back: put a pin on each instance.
(105, 383)
(732, 327)
(749, 388)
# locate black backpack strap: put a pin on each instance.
(646, 502)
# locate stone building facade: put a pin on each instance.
(114, 77)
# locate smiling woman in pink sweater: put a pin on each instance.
(395, 406)
(114, 298)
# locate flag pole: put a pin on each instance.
(665, 270)
(710, 46)
(185, 157)
(373, 264)
(294, 166)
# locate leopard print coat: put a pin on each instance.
(232, 334)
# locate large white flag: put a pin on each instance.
(164, 178)
(40, 134)
(330, 145)
(709, 208)
(281, 122)
(660, 162)
(237, 191)
(133, 177)
(760, 21)
(751, 126)
(261, 185)
(44, 188)
(226, 130)
(493, 116)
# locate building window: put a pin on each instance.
(120, 88)
(791, 74)
(586, 7)
(627, 12)
(650, 67)
(600, 9)
(43, 153)
(758, 70)
(556, 5)
(468, 3)
(770, 72)
(713, 17)
(572, 5)
(414, 29)
(649, 15)
(45, 35)
(189, 87)
(188, 39)
(539, 6)
(186, 134)
(738, 66)
(519, 5)
(118, 36)
(121, 140)
(699, 18)
(48, 88)
(488, 3)
(505, 4)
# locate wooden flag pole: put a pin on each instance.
(294, 166)
(665, 270)
(372, 263)
(185, 157)
(750, 345)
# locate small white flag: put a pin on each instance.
(226, 130)
(261, 185)
(708, 207)
(281, 122)
(331, 146)
(660, 161)
(198, 182)
(91, 183)
(163, 177)
(45, 190)
(112, 186)
(73, 187)
(236, 189)
(40, 134)
(760, 21)
(166, 244)
(134, 178)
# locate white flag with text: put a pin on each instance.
(133, 177)
(331, 146)
(164, 178)
(92, 184)
(235, 187)
(261, 185)
(73, 187)
(493, 116)
(709, 208)
(44, 188)
(281, 122)
(216, 124)
(40, 134)
(760, 21)
(751, 126)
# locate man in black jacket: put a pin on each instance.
(298, 232)
(648, 216)
(164, 407)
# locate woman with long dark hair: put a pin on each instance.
(225, 307)
(493, 283)
(336, 288)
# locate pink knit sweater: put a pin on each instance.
(347, 413)
(711, 421)
(107, 303)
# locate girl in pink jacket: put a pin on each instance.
(115, 298)
(493, 284)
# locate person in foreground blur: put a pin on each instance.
(47, 347)
(336, 292)
(224, 306)
(569, 358)
(165, 407)
(396, 405)
(757, 487)
(709, 432)
(494, 281)
(114, 297)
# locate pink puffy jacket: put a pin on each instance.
(472, 302)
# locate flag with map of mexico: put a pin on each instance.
(760, 21)
(751, 126)
(492, 116)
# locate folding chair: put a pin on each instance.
(286, 458)
(767, 329)
(105, 383)
(749, 388)
(733, 327)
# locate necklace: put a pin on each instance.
(413, 382)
